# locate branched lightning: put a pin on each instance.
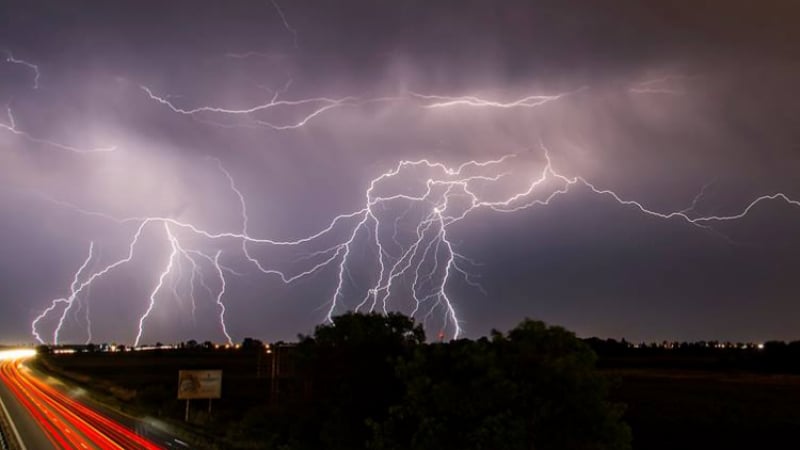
(317, 105)
(170, 263)
(286, 25)
(416, 262)
(69, 301)
(11, 126)
(314, 107)
(697, 198)
(413, 271)
(660, 85)
(530, 101)
(219, 297)
(404, 222)
(35, 68)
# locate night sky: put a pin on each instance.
(655, 101)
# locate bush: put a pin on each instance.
(535, 387)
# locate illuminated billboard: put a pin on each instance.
(194, 384)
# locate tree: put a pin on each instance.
(535, 387)
(351, 366)
(252, 344)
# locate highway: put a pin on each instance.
(43, 417)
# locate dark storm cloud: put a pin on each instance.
(725, 110)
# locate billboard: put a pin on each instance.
(194, 384)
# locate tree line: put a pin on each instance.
(371, 381)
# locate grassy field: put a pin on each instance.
(691, 409)
(146, 383)
(668, 408)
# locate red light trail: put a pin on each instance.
(67, 423)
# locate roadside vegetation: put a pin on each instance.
(373, 382)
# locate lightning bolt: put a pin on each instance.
(161, 278)
(530, 101)
(408, 232)
(661, 85)
(88, 317)
(85, 306)
(81, 286)
(219, 297)
(73, 291)
(69, 301)
(316, 106)
(285, 22)
(11, 126)
(35, 68)
(698, 197)
(413, 271)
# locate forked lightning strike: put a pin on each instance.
(286, 25)
(313, 107)
(317, 105)
(11, 123)
(11, 127)
(416, 261)
(69, 301)
(530, 101)
(33, 67)
(662, 85)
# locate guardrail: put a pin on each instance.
(9, 437)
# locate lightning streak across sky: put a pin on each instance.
(408, 232)
(313, 107)
(274, 158)
(415, 267)
(11, 126)
(286, 25)
(33, 67)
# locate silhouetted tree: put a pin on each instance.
(351, 366)
(535, 387)
(252, 344)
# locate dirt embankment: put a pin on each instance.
(95, 384)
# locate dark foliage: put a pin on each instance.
(376, 385)
(351, 366)
(370, 381)
(535, 387)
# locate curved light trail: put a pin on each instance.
(67, 423)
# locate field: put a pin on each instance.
(146, 383)
(684, 409)
(667, 408)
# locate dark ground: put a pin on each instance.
(674, 400)
(685, 409)
(145, 383)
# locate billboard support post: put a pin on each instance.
(186, 418)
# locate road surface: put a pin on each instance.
(45, 418)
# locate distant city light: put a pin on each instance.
(17, 353)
